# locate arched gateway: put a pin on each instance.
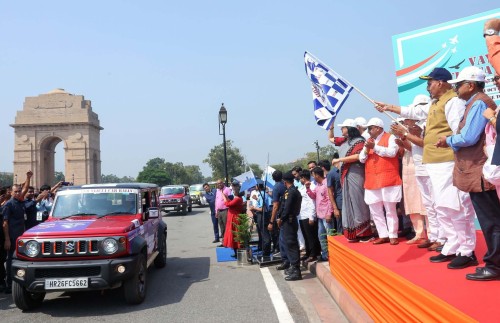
(45, 121)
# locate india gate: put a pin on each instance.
(45, 121)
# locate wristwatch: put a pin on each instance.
(490, 32)
(404, 136)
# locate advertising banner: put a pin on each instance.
(453, 45)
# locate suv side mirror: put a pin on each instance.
(154, 213)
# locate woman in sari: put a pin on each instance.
(234, 207)
(355, 212)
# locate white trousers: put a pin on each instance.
(454, 210)
(431, 222)
(386, 226)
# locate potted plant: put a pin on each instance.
(242, 235)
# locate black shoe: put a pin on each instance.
(442, 258)
(283, 266)
(461, 262)
(484, 274)
(294, 275)
(216, 240)
(220, 246)
(288, 271)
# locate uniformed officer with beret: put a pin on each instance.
(289, 224)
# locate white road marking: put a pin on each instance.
(279, 304)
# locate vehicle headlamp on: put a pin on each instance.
(109, 246)
(32, 248)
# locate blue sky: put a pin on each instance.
(157, 71)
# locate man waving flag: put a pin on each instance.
(329, 91)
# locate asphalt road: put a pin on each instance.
(193, 287)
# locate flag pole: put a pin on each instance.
(354, 87)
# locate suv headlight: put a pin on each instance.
(32, 248)
(109, 245)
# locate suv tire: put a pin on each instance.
(161, 258)
(25, 300)
(135, 288)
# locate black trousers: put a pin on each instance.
(264, 234)
(487, 207)
(290, 229)
(310, 233)
(3, 257)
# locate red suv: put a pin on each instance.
(97, 237)
(177, 198)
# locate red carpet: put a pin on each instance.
(469, 300)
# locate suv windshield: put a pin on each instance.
(94, 202)
(172, 190)
(196, 188)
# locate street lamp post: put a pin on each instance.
(317, 149)
(223, 121)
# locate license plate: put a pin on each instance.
(65, 283)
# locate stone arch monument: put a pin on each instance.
(45, 121)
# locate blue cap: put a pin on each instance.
(438, 74)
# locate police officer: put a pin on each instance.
(289, 224)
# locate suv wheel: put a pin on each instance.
(25, 300)
(135, 287)
(184, 210)
(161, 259)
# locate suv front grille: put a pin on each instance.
(73, 247)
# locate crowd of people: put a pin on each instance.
(22, 207)
(425, 170)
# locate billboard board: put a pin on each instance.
(453, 45)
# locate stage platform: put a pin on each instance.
(400, 284)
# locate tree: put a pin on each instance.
(155, 172)
(6, 179)
(160, 172)
(112, 178)
(235, 161)
(58, 177)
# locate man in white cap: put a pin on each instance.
(382, 180)
(443, 117)
(361, 125)
(467, 145)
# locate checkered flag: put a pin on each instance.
(329, 91)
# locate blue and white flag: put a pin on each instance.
(329, 91)
(247, 181)
(268, 178)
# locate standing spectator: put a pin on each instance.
(382, 182)
(220, 207)
(492, 37)
(324, 210)
(13, 225)
(412, 164)
(307, 220)
(209, 195)
(334, 192)
(278, 244)
(355, 212)
(262, 210)
(467, 145)
(235, 207)
(31, 209)
(288, 224)
(5, 195)
(443, 117)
